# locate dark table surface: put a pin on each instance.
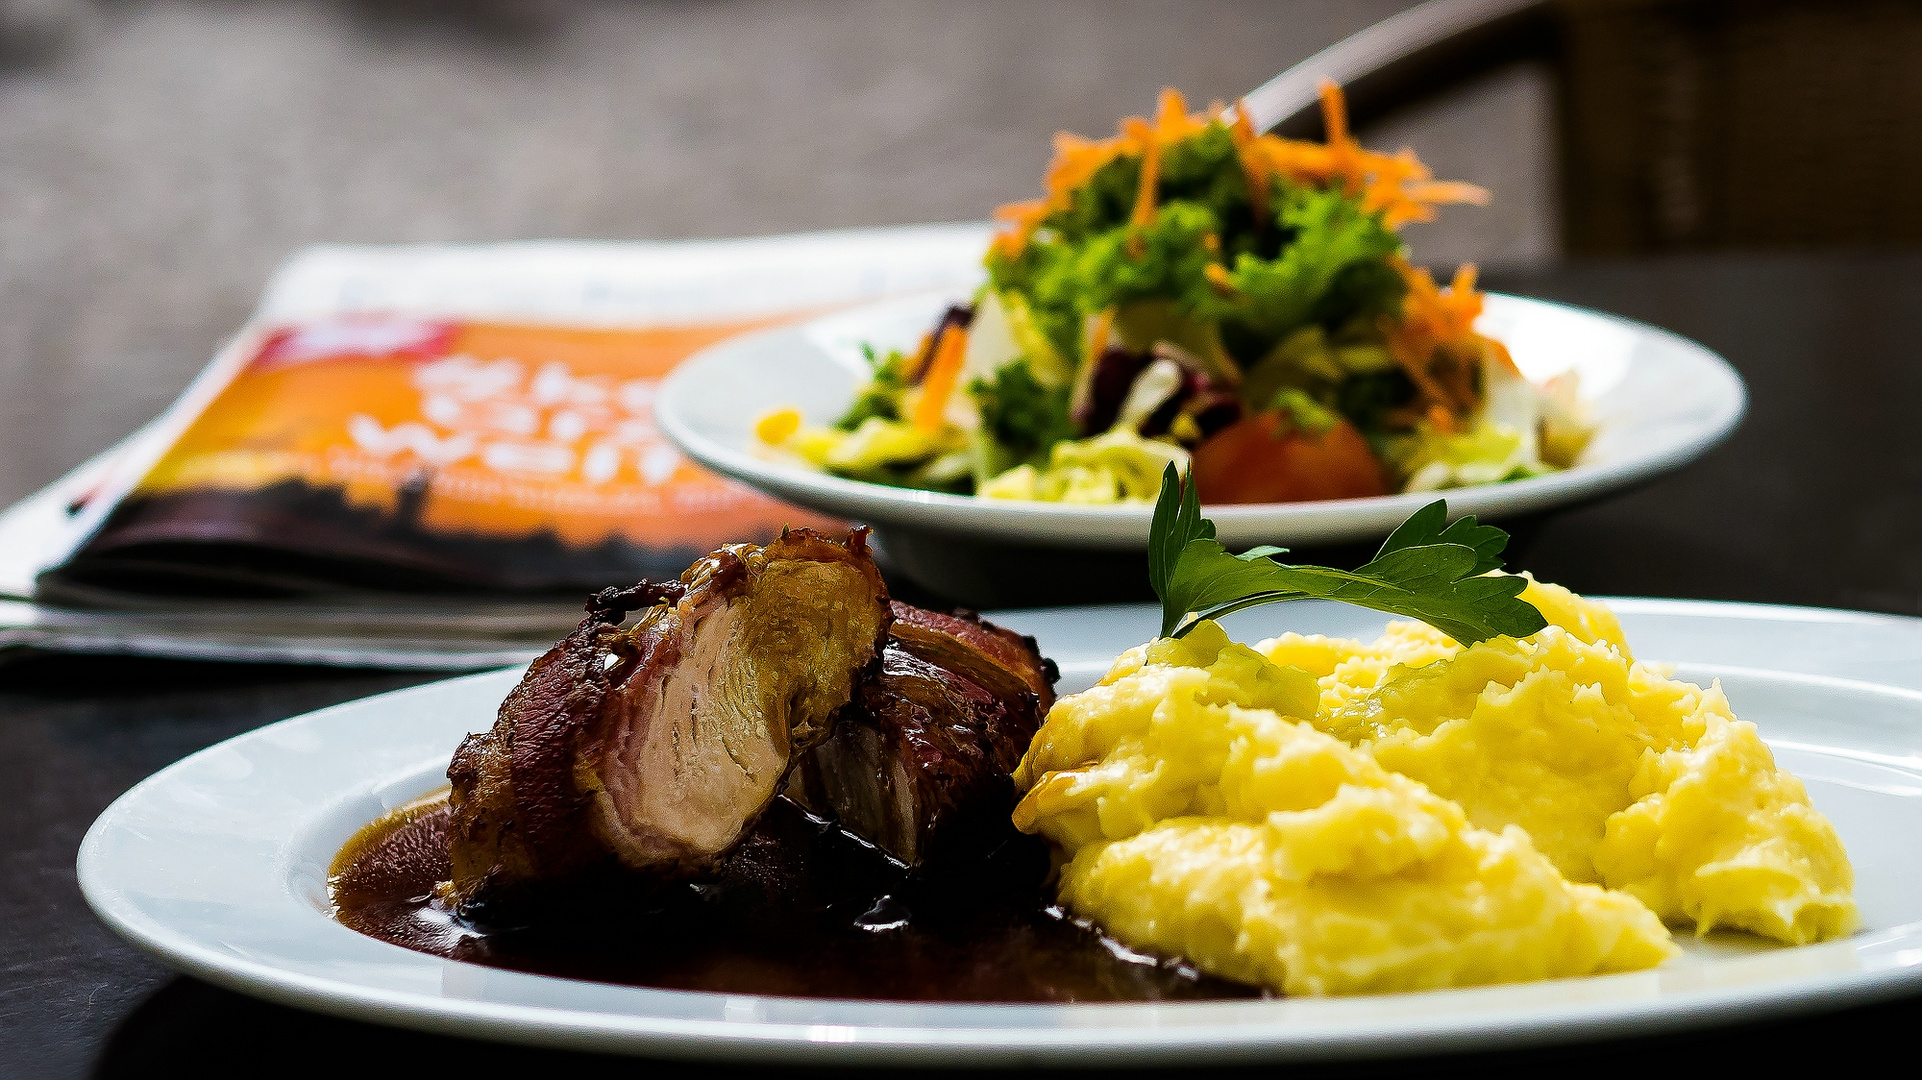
(146, 257)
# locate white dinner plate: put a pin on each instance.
(1660, 401)
(218, 865)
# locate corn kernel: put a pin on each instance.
(777, 426)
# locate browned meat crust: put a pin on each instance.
(921, 765)
(655, 746)
(974, 647)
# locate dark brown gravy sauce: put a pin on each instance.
(803, 909)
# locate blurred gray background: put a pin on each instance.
(158, 158)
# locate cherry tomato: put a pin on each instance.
(1266, 458)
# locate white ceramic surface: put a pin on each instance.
(218, 865)
(1661, 401)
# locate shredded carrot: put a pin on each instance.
(1243, 129)
(1103, 329)
(1498, 352)
(1076, 160)
(1144, 212)
(1014, 223)
(1354, 167)
(1425, 384)
(1398, 186)
(1172, 122)
(1254, 167)
(1447, 191)
(942, 375)
(1436, 328)
(923, 355)
(1334, 115)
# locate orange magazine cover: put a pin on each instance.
(371, 449)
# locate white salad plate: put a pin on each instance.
(218, 865)
(1660, 401)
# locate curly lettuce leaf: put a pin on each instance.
(1021, 420)
(1313, 257)
(1045, 278)
(1167, 259)
(1205, 169)
(1333, 267)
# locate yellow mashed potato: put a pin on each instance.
(1325, 816)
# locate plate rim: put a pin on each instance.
(986, 1044)
(1117, 526)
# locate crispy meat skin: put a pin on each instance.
(978, 649)
(655, 746)
(921, 765)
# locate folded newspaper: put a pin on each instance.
(425, 456)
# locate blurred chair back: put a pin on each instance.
(1682, 124)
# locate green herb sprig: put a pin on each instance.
(1427, 569)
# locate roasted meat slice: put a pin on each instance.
(921, 765)
(655, 746)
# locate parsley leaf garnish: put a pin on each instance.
(1427, 569)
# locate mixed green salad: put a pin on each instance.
(1237, 305)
